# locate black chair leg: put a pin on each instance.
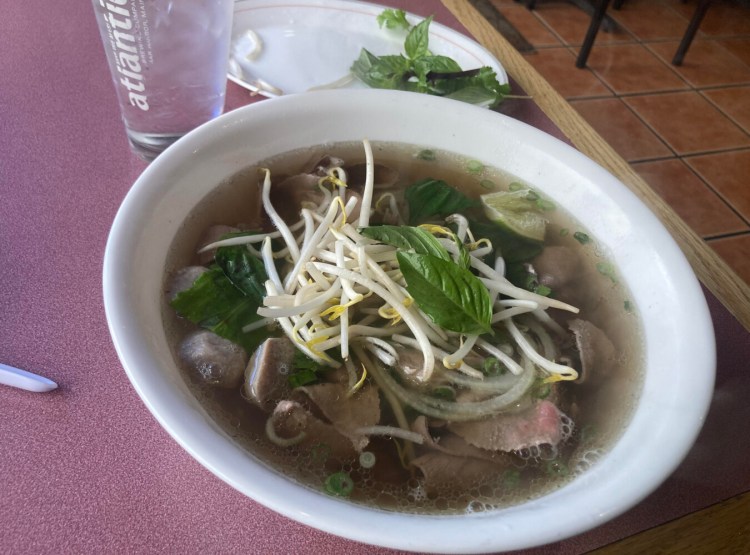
(687, 39)
(618, 4)
(530, 4)
(588, 42)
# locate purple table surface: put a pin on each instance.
(87, 469)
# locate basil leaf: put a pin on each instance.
(405, 237)
(417, 40)
(363, 64)
(384, 72)
(434, 197)
(215, 303)
(426, 66)
(481, 87)
(451, 296)
(420, 71)
(440, 64)
(245, 271)
(392, 19)
(475, 95)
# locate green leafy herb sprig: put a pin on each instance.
(393, 19)
(447, 292)
(418, 70)
(227, 297)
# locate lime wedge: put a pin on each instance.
(516, 213)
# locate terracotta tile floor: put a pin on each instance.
(685, 130)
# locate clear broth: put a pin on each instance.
(601, 407)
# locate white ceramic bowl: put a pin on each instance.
(679, 349)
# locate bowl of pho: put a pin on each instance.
(374, 310)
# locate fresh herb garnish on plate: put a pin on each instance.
(393, 19)
(418, 70)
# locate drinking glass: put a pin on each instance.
(168, 60)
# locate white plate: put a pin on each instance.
(312, 43)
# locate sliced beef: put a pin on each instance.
(410, 361)
(384, 176)
(290, 195)
(213, 234)
(326, 164)
(291, 418)
(183, 280)
(451, 444)
(596, 351)
(537, 425)
(346, 414)
(266, 375)
(559, 268)
(213, 359)
(443, 472)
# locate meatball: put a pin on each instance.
(215, 360)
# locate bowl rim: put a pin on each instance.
(512, 528)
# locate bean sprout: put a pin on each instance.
(284, 230)
(559, 370)
(341, 293)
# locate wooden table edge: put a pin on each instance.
(708, 266)
(720, 528)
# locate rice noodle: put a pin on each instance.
(391, 431)
(499, 384)
(453, 411)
